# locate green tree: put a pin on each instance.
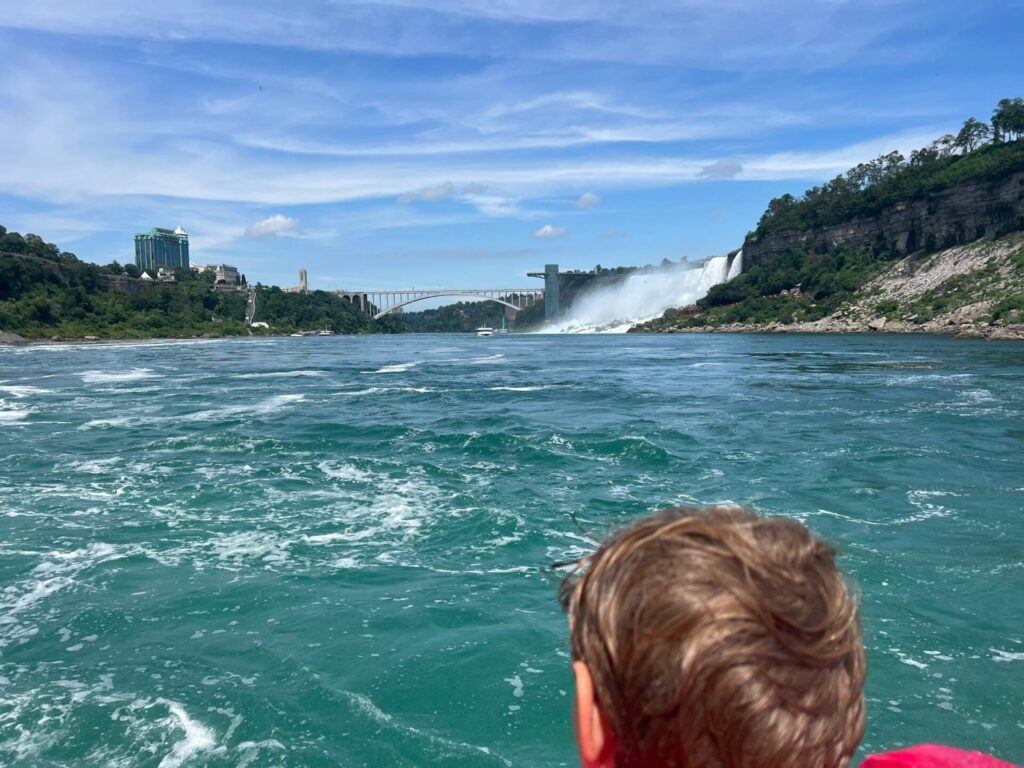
(945, 145)
(973, 134)
(1008, 119)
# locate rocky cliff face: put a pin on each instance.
(974, 290)
(953, 216)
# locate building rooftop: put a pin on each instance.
(162, 231)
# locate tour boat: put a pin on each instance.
(483, 330)
(503, 329)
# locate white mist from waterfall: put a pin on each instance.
(644, 296)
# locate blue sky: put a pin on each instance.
(457, 143)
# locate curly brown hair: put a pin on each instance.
(718, 638)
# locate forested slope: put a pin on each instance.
(46, 293)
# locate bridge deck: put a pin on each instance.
(380, 303)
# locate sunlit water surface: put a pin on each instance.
(330, 551)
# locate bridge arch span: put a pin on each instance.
(442, 294)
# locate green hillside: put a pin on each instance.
(46, 293)
(806, 282)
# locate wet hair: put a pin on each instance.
(718, 638)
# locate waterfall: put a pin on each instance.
(644, 295)
(737, 265)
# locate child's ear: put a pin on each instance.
(594, 739)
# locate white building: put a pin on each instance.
(227, 274)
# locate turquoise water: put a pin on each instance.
(329, 551)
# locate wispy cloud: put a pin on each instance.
(615, 31)
(274, 225)
(587, 200)
(722, 169)
(429, 194)
(549, 231)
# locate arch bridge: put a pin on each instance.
(380, 303)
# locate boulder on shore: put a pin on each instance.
(9, 337)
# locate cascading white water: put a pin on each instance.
(737, 265)
(644, 296)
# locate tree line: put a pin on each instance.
(978, 150)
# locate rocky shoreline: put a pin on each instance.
(878, 326)
(12, 339)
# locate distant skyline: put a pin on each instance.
(406, 143)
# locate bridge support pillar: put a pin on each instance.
(550, 291)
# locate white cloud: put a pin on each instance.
(428, 194)
(588, 200)
(549, 231)
(497, 205)
(274, 225)
(617, 30)
(729, 168)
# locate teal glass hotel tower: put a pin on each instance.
(161, 248)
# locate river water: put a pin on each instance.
(331, 551)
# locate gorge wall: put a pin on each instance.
(955, 215)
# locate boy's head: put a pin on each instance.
(707, 638)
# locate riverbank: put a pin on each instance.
(964, 331)
(11, 339)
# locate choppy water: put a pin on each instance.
(326, 551)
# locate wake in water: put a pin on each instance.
(644, 296)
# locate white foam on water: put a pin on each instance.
(517, 685)
(1006, 656)
(118, 421)
(489, 359)
(926, 508)
(12, 414)
(978, 396)
(908, 660)
(267, 407)
(366, 391)
(330, 538)
(913, 662)
(365, 705)
(346, 564)
(396, 368)
(642, 296)
(105, 377)
(274, 404)
(54, 574)
(537, 388)
(251, 750)
(95, 466)
(238, 548)
(198, 738)
(343, 472)
(23, 390)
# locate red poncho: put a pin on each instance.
(933, 756)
